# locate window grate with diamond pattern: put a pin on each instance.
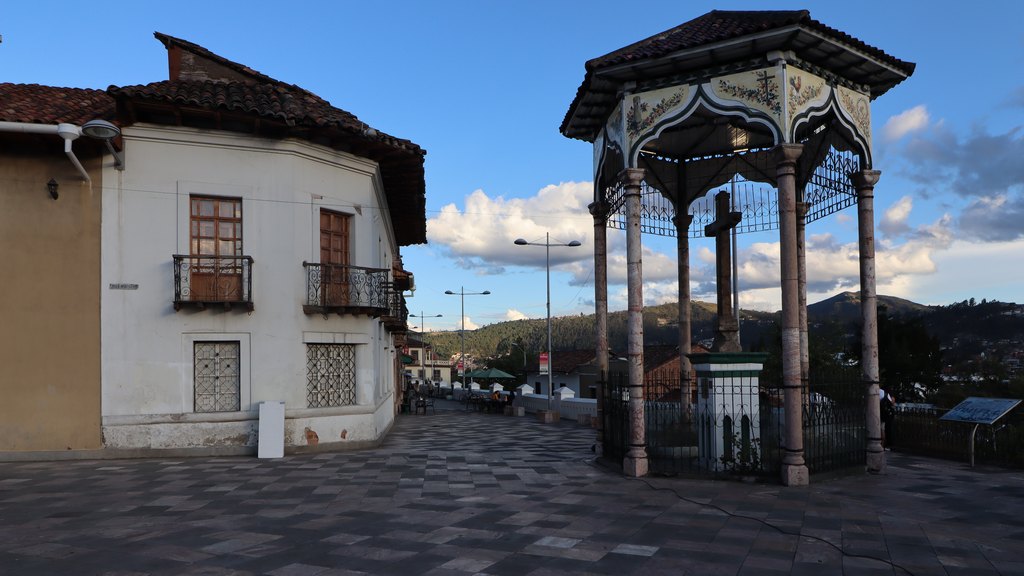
(217, 376)
(330, 375)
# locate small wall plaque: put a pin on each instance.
(123, 286)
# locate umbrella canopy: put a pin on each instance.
(489, 373)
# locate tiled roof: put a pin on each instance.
(565, 361)
(294, 107)
(36, 104)
(714, 26)
(657, 355)
(722, 26)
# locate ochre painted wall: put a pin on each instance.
(49, 302)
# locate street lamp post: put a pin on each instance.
(423, 332)
(523, 350)
(547, 264)
(462, 332)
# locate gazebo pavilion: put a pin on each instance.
(775, 100)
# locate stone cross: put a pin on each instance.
(727, 337)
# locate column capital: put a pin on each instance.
(598, 209)
(787, 153)
(801, 212)
(865, 178)
(632, 176)
(682, 221)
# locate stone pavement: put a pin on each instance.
(468, 493)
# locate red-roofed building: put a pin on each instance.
(251, 236)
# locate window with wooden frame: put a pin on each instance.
(216, 246)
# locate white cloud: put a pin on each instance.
(960, 264)
(513, 314)
(470, 325)
(481, 237)
(894, 220)
(833, 266)
(904, 123)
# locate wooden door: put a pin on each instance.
(334, 257)
(216, 231)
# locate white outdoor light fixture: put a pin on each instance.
(547, 250)
(105, 131)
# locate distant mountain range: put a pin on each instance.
(963, 321)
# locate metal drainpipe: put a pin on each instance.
(69, 132)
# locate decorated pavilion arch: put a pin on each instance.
(777, 106)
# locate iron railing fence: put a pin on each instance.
(615, 413)
(396, 317)
(835, 421)
(920, 431)
(720, 438)
(738, 430)
(203, 280)
(339, 288)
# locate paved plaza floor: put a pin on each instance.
(470, 493)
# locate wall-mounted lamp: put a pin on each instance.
(105, 131)
(51, 187)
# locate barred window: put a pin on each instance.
(330, 375)
(217, 379)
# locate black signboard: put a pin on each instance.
(981, 410)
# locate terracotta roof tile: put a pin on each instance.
(295, 107)
(720, 25)
(36, 104)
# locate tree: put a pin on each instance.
(909, 358)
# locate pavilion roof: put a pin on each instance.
(721, 37)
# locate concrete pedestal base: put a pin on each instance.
(876, 462)
(635, 466)
(547, 416)
(795, 475)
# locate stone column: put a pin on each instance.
(635, 462)
(794, 469)
(682, 221)
(599, 210)
(801, 265)
(864, 181)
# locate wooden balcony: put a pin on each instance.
(203, 281)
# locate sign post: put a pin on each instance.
(979, 411)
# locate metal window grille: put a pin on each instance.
(217, 376)
(331, 375)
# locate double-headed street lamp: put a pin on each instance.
(462, 347)
(423, 331)
(547, 252)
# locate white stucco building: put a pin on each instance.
(251, 253)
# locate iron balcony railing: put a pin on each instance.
(396, 319)
(201, 281)
(345, 289)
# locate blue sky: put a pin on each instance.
(484, 86)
